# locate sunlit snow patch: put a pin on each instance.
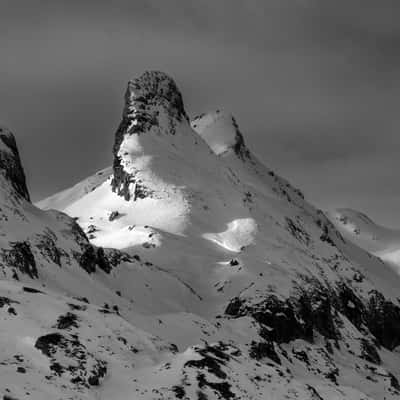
(218, 129)
(240, 233)
(129, 236)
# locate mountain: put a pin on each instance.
(360, 229)
(195, 272)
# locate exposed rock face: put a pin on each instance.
(383, 320)
(240, 147)
(213, 359)
(21, 257)
(295, 318)
(318, 310)
(10, 163)
(92, 257)
(87, 371)
(145, 98)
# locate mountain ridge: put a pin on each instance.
(377, 239)
(198, 273)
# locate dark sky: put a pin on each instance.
(314, 85)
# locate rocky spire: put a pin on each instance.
(10, 163)
(151, 89)
(146, 98)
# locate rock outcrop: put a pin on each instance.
(10, 163)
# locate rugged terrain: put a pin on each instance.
(187, 270)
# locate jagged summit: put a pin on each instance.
(10, 163)
(153, 88)
(152, 103)
(221, 132)
(153, 116)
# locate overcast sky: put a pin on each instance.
(314, 85)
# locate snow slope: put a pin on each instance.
(207, 276)
(68, 196)
(377, 239)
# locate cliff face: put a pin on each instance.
(10, 163)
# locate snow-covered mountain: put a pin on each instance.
(359, 228)
(198, 274)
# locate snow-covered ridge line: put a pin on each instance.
(360, 229)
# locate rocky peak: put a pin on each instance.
(152, 101)
(221, 132)
(10, 163)
(150, 90)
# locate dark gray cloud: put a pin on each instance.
(314, 85)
